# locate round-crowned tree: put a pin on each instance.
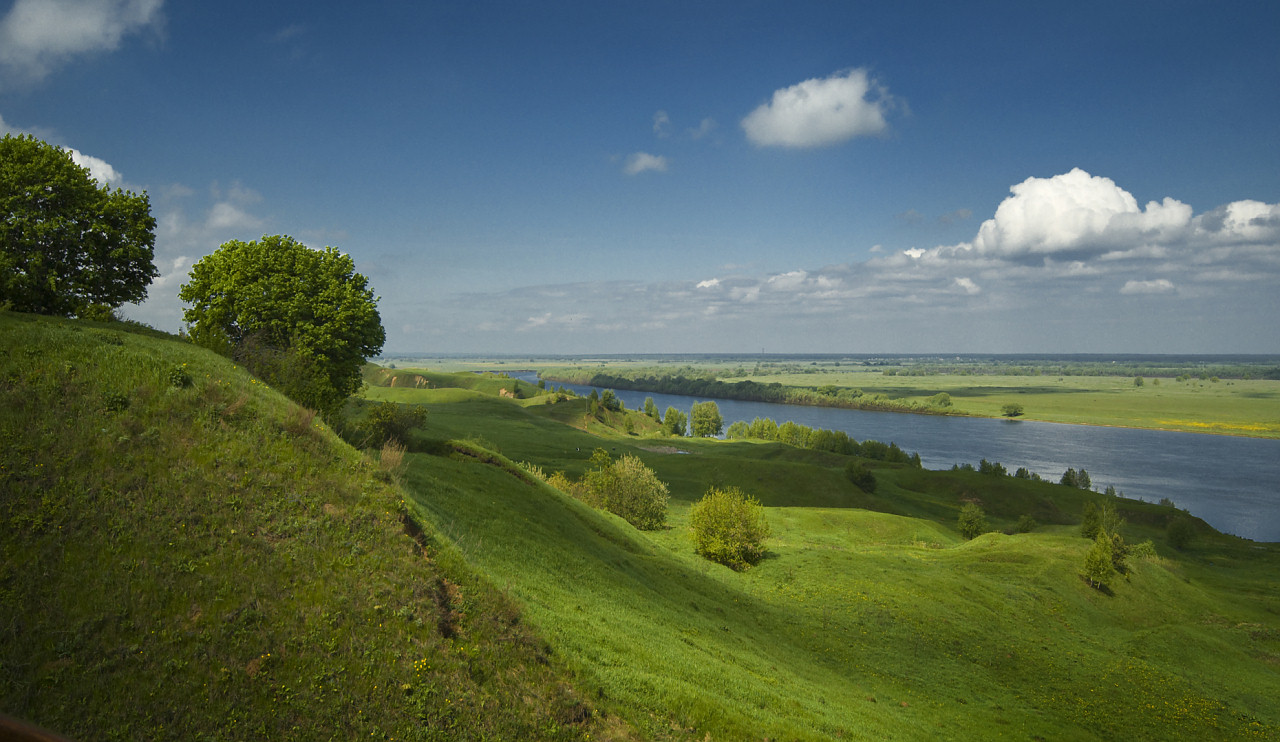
(68, 244)
(729, 527)
(301, 319)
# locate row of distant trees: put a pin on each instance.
(303, 320)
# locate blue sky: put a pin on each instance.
(592, 177)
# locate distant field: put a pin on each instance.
(1079, 395)
(1230, 406)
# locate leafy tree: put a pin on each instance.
(610, 401)
(764, 429)
(861, 476)
(705, 419)
(794, 434)
(1091, 522)
(992, 468)
(729, 527)
(1012, 409)
(651, 409)
(68, 244)
(674, 422)
(1138, 381)
(738, 430)
(627, 488)
(1026, 524)
(279, 297)
(1098, 567)
(972, 521)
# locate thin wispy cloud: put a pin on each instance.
(38, 36)
(821, 112)
(640, 162)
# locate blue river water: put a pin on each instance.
(1233, 483)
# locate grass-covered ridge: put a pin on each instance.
(185, 554)
(871, 617)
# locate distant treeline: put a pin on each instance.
(1169, 367)
(706, 385)
(820, 439)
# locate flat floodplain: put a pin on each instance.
(1228, 406)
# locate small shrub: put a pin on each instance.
(729, 528)
(972, 521)
(627, 488)
(1026, 524)
(1180, 533)
(861, 476)
(388, 420)
(179, 377)
(115, 401)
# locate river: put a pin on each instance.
(1233, 483)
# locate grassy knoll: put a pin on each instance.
(871, 617)
(185, 555)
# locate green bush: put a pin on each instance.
(389, 421)
(627, 488)
(973, 521)
(1180, 533)
(1026, 524)
(861, 476)
(729, 528)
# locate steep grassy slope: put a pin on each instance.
(185, 554)
(860, 624)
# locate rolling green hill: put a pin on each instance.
(860, 624)
(185, 554)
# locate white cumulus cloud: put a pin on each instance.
(640, 162)
(820, 112)
(38, 35)
(1076, 212)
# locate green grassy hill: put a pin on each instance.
(185, 555)
(860, 624)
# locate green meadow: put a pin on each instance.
(1226, 406)
(186, 554)
(871, 617)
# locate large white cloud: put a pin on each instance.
(38, 35)
(820, 112)
(1076, 212)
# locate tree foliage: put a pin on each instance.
(705, 420)
(861, 476)
(674, 421)
(68, 244)
(972, 521)
(729, 527)
(274, 299)
(388, 421)
(627, 488)
(1098, 566)
(1011, 409)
